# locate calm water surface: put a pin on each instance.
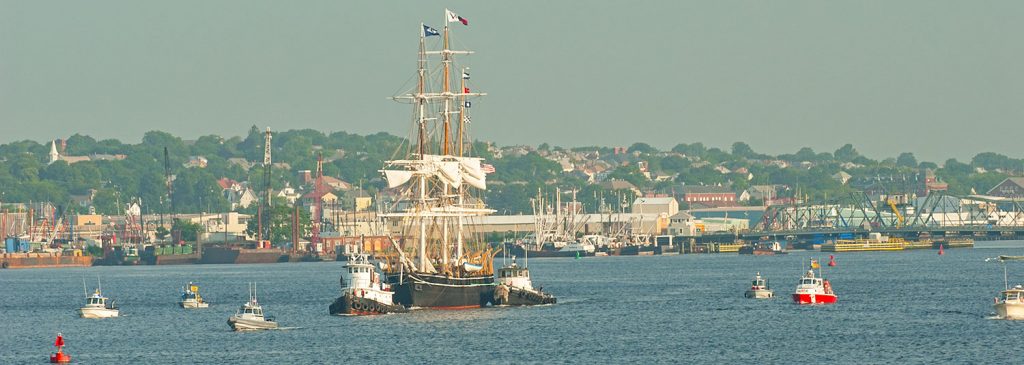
(908, 307)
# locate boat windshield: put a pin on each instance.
(1012, 296)
(95, 300)
(809, 281)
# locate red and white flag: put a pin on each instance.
(452, 17)
(487, 168)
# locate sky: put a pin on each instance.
(941, 79)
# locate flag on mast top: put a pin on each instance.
(452, 17)
(428, 31)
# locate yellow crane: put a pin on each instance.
(896, 211)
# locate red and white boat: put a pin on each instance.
(814, 289)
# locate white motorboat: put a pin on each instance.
(759, 288)
(190, 298)
(1010, 303)
(250, 316)
(98, 306)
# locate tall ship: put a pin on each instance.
(436, 260)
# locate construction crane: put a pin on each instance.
(896, 211)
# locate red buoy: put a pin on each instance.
(831, 261)
(60, 357)
(940, 250)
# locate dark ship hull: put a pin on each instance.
(236, 255)
(638, 250)
(438, 291)
(759, 251)
(520, 251)
(509, 295)
(352, 305)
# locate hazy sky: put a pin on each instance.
(937, 78)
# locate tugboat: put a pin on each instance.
(814, 289)
(516, 288)
(250, 317)
(1010, 303)
(759, 289)
(190, 297)
(97, 305)
(362, 291)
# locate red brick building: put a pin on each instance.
(709, 196)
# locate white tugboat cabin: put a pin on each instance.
(362, 290)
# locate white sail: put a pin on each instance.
(471, 166)
(474, 182)
(449, 172)
(397, 178)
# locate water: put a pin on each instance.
(909, 307)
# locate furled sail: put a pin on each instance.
(449, 172)
(471, 166)
(397, 178)
(474, 182)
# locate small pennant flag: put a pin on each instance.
(452, 17)
(428, 31)
(465, 90)
(469, 104)
(487, 168)
(814, 264)
(465, 75)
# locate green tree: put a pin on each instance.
(846, 153)
(741, 149)
(906, 159)
(189, 230)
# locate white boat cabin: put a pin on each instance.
(515, 276)
(97, 300)
(360, 278)
(251, 310)
(1013, 295)
(759, 282)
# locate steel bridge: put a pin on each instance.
(856, 214)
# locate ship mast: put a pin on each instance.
(436, 175)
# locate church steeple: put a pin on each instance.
(54, 156)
